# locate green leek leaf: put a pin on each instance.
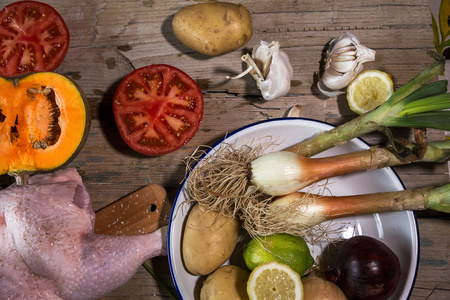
(438, 199)
(435, 119)
(431, 89)
(426, 105)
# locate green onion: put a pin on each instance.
(298, 211)
(282, 172)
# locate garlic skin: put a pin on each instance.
(271, 69)
(344, 60)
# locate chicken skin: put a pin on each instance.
(48, 248)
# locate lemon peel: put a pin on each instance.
(274, 280)
(368, 90)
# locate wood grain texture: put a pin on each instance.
(110, 38)
(137, 213)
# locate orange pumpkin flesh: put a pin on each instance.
(44, 122)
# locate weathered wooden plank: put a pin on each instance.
(434, 268)
(111, 65)
(110, 38)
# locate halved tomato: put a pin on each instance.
(158, 109)
(33, 37)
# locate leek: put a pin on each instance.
(414, 105)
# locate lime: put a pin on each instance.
(285, 248)
(274, 280)
(368, 90)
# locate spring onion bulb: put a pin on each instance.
(282, 172)
(231, 188)
(298, 211)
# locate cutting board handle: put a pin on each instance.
(136, 213)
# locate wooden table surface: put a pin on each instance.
(111, 38)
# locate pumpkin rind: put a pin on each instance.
(25, 103)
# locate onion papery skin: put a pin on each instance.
(279, 173)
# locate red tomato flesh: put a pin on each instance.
(33, 38)
(158, 109)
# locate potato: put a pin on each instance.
(226, 283)
(213, 28)
(208, 240)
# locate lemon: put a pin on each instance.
(368, 90)
(274, 280)
(282, 247)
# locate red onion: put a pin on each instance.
(366, 269)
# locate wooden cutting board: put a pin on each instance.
(138, 213)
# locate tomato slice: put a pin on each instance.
(158, 109)
(33, 38)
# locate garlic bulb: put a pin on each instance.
(271, 69)
(344, 61)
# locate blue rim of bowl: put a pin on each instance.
(180, 190)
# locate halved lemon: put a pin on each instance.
(368, 90)
(274, 280)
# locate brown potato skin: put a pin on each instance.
(208, 241)
(226, 283)
(213, 28)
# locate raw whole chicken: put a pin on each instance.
(48, 249)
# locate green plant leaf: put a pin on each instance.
(435, 119)
(437, 40)
(150, 270)
(447, 43)
(444, 14)
(431, 89)
(427, 104)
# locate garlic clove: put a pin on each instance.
(344, 61)
(335, 80)
(335, 83)
(342, 57)
(349, 48)
(342, 66)
(295, 111)
(271, 69)
(342, 41)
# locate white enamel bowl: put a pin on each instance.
(397, 230)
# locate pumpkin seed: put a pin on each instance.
(46, 91)
(36, 145)
(33, 91)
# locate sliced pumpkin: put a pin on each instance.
(44, 122)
